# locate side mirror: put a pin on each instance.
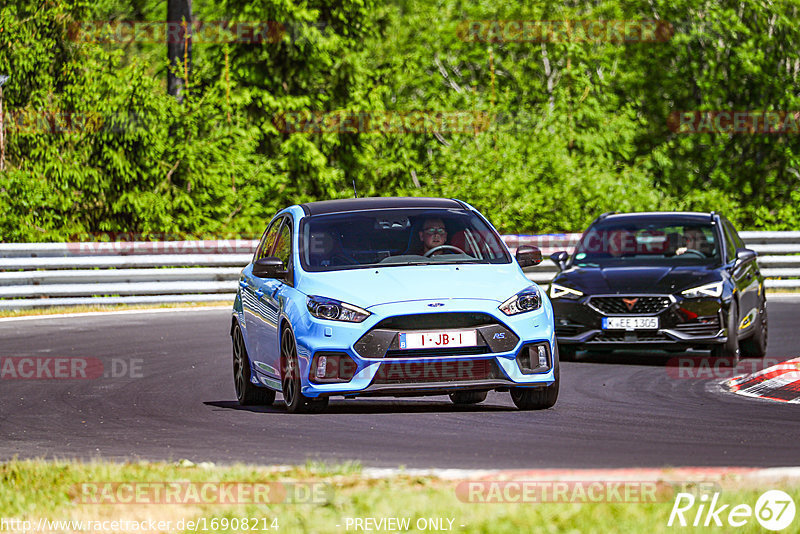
(560, 259)
(528, 256)
(745, 254)
(270, 267)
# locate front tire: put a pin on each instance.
(728, 353)
(468, 397)
(295, 401)
(538, 398)
(756, 345)
(246, 392)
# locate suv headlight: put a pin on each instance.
(526, 300)
(335, 310)
(708, 290)
(562, 292)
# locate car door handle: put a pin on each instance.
(259, 293)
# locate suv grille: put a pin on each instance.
(628, 337)
(630, 305)
(568, 330)
(704, 326)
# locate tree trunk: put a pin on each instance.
(2, 134)
(179, 46)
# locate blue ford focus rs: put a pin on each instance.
(390, 297)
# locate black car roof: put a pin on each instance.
(659, 216)
(372, 203)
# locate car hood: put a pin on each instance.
(384, 285)
(637, 279)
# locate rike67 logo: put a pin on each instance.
(774, 510)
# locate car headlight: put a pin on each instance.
(708, 290)
(526, 300)
(562, 292)
(335, 310)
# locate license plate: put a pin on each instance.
(630, 323)
(438, 340)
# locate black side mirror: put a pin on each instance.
(270, 267)
(560, 259)
(745, 254)
(528, 256)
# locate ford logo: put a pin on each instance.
(436, 304)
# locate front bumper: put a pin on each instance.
(683, 323)
(381, 368)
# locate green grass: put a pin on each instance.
(38, 489)
(107, 308)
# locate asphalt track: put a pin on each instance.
(618, 410)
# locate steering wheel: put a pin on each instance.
(444, 247)
(693, 251)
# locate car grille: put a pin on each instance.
(436, 353)
(641, 306)
(436, 321)
(628, 337)
(704, 326)
(436, 371)
(382, 340)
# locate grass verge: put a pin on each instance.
(109, 308)
(339, 494)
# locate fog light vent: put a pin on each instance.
(332, 367)
(534, 358)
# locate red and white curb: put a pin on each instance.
(779, 383)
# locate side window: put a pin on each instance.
(283, 246)
(735, 234)
(730, 243)
(268, 239)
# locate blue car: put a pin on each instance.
(390, 297)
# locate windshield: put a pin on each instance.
(642, 242)
(397, 237)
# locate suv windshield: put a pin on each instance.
(644, 242)
(380, 238)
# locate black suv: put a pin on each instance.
(661, 280)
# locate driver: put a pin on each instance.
(432, 235)
(694, 239)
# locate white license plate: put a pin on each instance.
(438, 340)
(630, 323)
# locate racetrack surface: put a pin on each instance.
(618, 410)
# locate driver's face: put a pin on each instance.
(433, 234)
(694, 239)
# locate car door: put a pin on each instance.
(252, 290)
(269, 305)
(749, 281)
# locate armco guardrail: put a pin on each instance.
(61, 274)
